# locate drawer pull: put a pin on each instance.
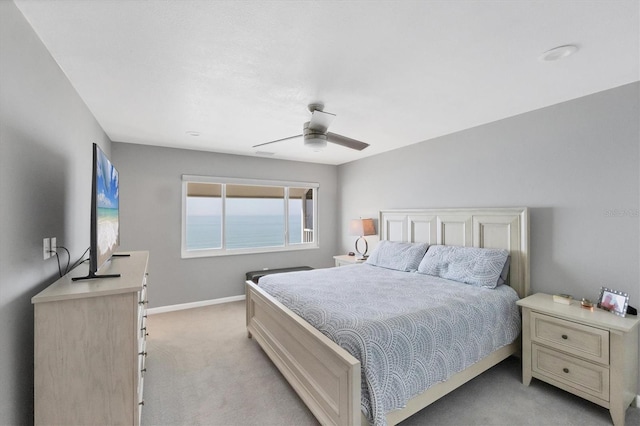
(566, 370)
(142, 353)
(143, 302)
(565, 337)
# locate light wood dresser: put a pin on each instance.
(592, 354)
(90, 346)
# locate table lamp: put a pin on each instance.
(362, 228)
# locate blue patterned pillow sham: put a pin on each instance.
(480, 267)
(504, 275)
(396, 255)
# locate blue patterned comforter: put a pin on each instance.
(409, 330)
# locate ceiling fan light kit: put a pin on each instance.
(315, 142)
(314, 138)
(316, 135)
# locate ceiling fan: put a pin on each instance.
(315, 132)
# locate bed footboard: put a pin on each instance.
(325, 376)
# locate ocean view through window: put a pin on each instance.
(232, 216)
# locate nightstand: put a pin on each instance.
(347, 260)
(592, 354)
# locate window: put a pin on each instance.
(222, 216)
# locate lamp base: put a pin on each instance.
(362, 254)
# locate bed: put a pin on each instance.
(328, 377)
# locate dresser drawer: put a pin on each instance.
(586, 342)
(142, 313)
(582, 375)
(142, 326)
(142, 296)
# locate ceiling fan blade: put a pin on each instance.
(278, 140)
(320, 121)
(346, 142)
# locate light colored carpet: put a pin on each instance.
(203, 370)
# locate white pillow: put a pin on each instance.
(396, 255)
(471, 265)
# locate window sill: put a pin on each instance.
(190, 254)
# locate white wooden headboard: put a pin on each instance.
(506, 228)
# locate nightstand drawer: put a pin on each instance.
(582, 375)
(586, 342)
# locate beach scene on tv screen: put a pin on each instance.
(107, 205)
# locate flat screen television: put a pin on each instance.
(105, 214)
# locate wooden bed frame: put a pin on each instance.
(326, 376)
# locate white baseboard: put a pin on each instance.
(637, 402)
(171, 308)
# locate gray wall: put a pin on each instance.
(573, 164)
(46, 133)
(150, 219)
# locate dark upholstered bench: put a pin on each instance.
(256, 275)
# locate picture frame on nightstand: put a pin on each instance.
(613, 301)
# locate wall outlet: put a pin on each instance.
(46, 248)
(54, 245)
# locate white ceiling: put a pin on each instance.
(395, 72)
